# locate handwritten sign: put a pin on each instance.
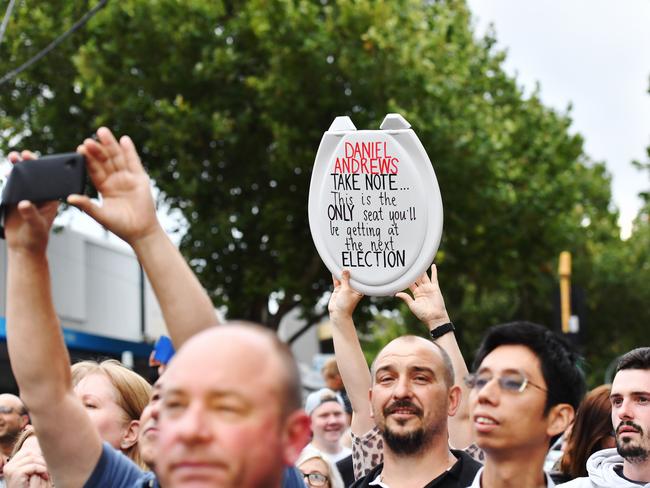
(374, 205)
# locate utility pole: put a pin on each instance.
(565, 289)
(569, 312)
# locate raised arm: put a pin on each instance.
(37, 352)
(428, 305)
(349, 356)
(128, 211)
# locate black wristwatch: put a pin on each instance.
(441, 330)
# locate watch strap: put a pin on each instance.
(441, 330)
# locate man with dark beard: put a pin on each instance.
(414, 416)
(629, 464)
(412, 395)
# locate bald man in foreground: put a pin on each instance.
(230, 415)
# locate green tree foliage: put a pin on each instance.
(227, 101)
(617, 286)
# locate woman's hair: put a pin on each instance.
(335, 480)
(592, 425)
(133, 391)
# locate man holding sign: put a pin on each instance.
(414, 390)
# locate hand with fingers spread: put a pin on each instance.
(344, 298)
(115, 169)
(128, 210)
(27, 225)
(427, 303)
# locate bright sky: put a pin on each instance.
(594, 54)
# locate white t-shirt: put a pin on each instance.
(333, 458)
(477, 480)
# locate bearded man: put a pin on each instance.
(412, 395)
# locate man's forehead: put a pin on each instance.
(229, 348)
(9, 401)
(631, 380)
(417, 357)
(511, 357)
(201, 373)
(328, 406)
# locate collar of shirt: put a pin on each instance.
(378, 482)
(477, 480)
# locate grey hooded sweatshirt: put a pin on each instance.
(600, 468)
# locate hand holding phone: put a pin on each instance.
(47, 178)
(39, 180)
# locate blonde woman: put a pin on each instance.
(317, 471)
(114, 397)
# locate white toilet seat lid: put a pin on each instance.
(374, 205)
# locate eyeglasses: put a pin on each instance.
(512, 382)
(315, 478)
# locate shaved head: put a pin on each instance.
(416, 341)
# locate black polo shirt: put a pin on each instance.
(460, 475)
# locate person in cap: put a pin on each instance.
(326, 410)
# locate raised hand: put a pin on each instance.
(426, 303)
(27, 225)
(27, 469)
(115, 169)
(344, 299)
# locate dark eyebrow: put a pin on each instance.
(505, 371)
(634, 393)
(423, 369)
(384, 369)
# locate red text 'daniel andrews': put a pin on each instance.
(366, 157)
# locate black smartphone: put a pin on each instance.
(48, 178)
(39, 180)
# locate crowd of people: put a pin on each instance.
(228, 410)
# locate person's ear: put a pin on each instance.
(296, 435)
(372, 414)
(455, 396)
(24, 421)
(130, 435)
(559, 418)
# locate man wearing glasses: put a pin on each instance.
(524, 393)
(13, 419)
(629, 464)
